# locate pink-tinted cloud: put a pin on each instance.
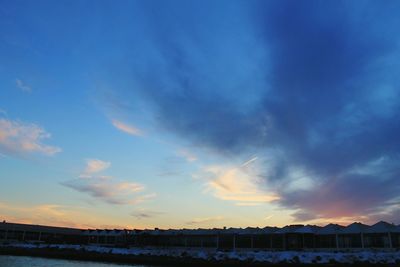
(127, 128)
(23, 138)
(107, 188)
(96, 165)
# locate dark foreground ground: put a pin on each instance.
(84, 255)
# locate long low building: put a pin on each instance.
(17, 232)
(381, 235)
(291, 237)
(106, 237)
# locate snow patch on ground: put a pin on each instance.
(367, 256)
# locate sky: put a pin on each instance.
(198, 114)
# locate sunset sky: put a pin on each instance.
(188, 114)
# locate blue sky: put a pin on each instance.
(199, 113)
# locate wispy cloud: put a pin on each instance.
(21, 138)
(176, 165)
(22, 86)
(107, 188)
(187, 155)
(96, 165)
(170, 173)
(249, 161)
(143, 198)
(248, 204)
(146, 214)
(126, 128)
(204, 220)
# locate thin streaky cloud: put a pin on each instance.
(205, 220)
(248, 204)
(143, 198)
(127, 128)
(96, 165)
(146, 214)
(268, 217)
(22, 86)
(187, 155)
(249, 161)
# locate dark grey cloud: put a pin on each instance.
(313, 83)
